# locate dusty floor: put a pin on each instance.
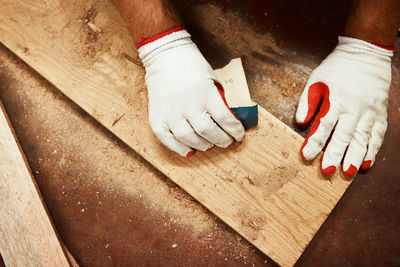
(112, 208)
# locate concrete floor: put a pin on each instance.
(111, 208)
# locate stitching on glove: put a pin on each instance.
(350, 44)
(141, 42)
(176, 39)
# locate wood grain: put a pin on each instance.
(27, 236)
(261, 188)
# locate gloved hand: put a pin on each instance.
(186, 110)
(353, 84)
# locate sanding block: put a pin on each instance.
(237, 95)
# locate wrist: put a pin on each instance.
(372, 27)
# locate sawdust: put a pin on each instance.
(251, 222)
(89, 35)
(91, 38)
(251, 182)
(285, 154)
(230, 180)
(72, 154)
(267, 180)
(84, 35)
(271, 181)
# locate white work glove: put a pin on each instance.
(353, 83)
(186, 110)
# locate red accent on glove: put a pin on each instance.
(141, 42)
(366, 165)
(351, 171)
(317, 92)
(390, 48)
(189, 154)
(328, 171)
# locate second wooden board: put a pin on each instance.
(27, 235)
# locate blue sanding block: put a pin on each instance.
(247, 115)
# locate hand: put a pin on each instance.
(353, 84)
(186, 110)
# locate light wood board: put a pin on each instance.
(261, 188)
(27, 236)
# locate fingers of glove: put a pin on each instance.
(312, 95)
(375, 142)
(167, 138)
(186, 135)
(358, 146)
(209, 130)
(319, 134)
(341, 138)
(222, 115)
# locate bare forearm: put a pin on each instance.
(147, 18)
(375, 21)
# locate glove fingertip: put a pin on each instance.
(300, 118)
(366, 165)
(209, 149)
(328, 171)
(300, 114)
(351, 171)
(230, 144)
(240, 135)
(304, 111)
(189, 154)
(307, 152)
(302, 154)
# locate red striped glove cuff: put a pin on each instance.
(141, 42)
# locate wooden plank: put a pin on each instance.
(27, 236)
(261, 188)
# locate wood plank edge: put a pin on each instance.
(70, 259)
